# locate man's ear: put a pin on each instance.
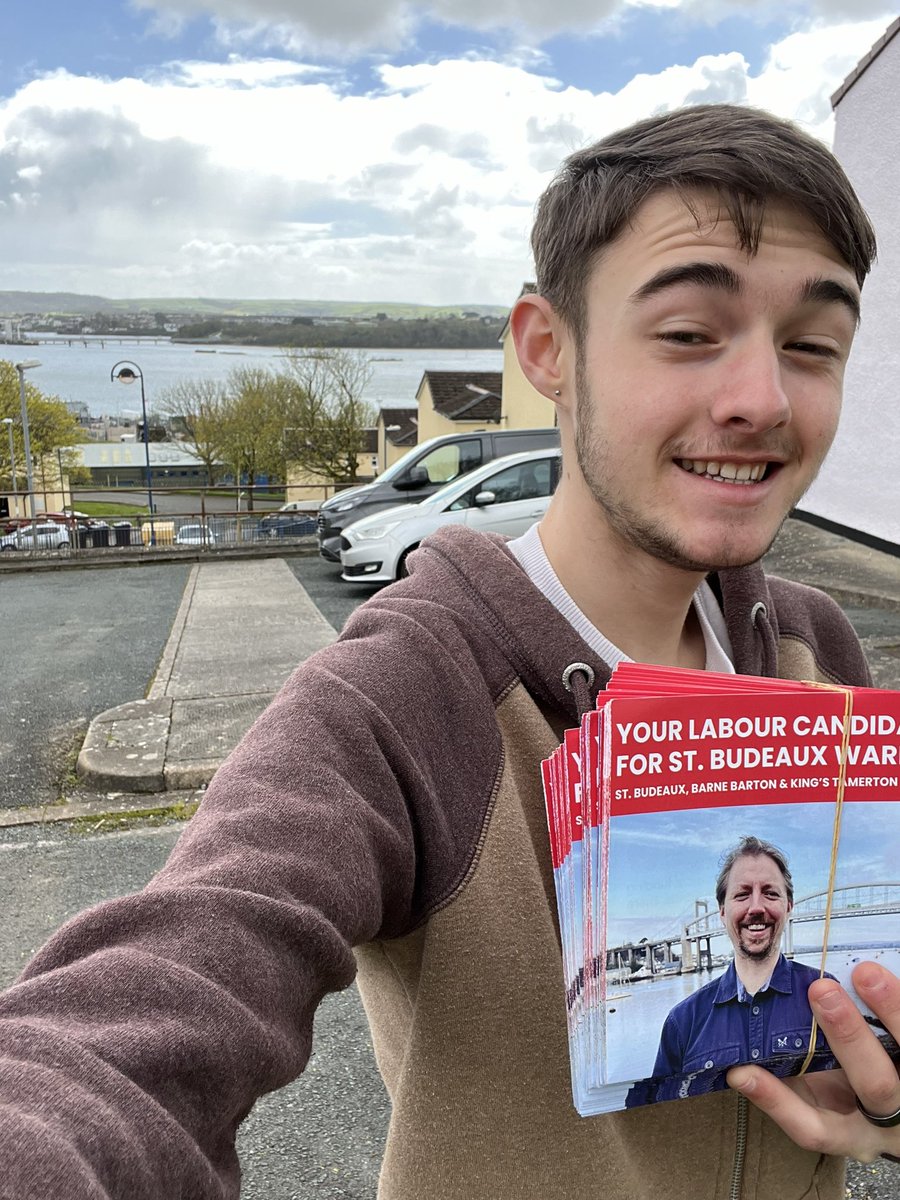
(540, 340)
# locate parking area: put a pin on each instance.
(60, 535)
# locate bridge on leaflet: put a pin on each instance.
(691, 949)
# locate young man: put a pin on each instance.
(698, 282)
(758, 1009)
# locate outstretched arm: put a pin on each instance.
(820, 1111)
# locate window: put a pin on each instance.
(448, 462)
(527, 481)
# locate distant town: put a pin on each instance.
(25, 316)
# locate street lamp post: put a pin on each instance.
(22, 367)
(127, 372)
(8, 422)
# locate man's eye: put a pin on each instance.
(682, 337)
(814, 348)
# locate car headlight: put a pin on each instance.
(342, 508)
(372, 532)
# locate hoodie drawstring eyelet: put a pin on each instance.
(759, 619)
(578, 678)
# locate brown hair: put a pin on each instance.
(752, 847)
(747, 156)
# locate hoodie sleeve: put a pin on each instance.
(140, 1036)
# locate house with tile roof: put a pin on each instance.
(458, 402)
(856, 489)
(397, 430)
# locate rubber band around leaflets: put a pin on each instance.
(835, 844)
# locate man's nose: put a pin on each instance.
(752, 396)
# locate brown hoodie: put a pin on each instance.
(388, 801)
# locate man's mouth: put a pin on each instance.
(722, 471)
(756, 927)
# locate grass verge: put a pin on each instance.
(111, 508)
(160, 814)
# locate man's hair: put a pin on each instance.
(747, 156)
(753, 847)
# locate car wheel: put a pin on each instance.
(402, 569)
(5, 548)
(62, 545)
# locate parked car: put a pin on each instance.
(195, 535)
(504, 496)
(419, 474)
(291, 520)
(44, 535)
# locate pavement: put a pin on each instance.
(241, 629)
(239, 632)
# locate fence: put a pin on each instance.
(193, 529)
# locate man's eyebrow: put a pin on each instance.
(695, 274)
(829, 291)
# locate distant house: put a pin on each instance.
(310, 488)
(458, 402)
(398, 431)
(857, 490)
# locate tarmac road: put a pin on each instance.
(322, 1136)
(72, 644)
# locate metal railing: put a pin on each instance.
(195, 528)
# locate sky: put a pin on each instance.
(661, 862)
(371, 150)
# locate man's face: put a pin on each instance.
(755, 907)
(708, 382)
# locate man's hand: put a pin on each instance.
(819, 1111)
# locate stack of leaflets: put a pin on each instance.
(672, 974)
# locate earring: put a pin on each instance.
(557, 392)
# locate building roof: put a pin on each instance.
(401, 425)
(864, 63)
(466, 396)
(131, 454)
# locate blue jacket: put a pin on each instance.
(721, 1025)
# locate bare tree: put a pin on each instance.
(327, 412)
(196, 409)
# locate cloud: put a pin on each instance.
(387, 24)
(345, 25)
(262, 177)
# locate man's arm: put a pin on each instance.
(144, 1031)
(670, 1055)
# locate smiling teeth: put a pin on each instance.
(724, 472)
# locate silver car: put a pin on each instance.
(40, 536)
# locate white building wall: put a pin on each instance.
(859, 485)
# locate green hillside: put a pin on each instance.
(72, 303)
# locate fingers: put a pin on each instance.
(818, 1111)
(870, 1072)
(806, 1117)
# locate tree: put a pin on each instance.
(51, 427)
(326, 412)
(252, 425)
(196, 407)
